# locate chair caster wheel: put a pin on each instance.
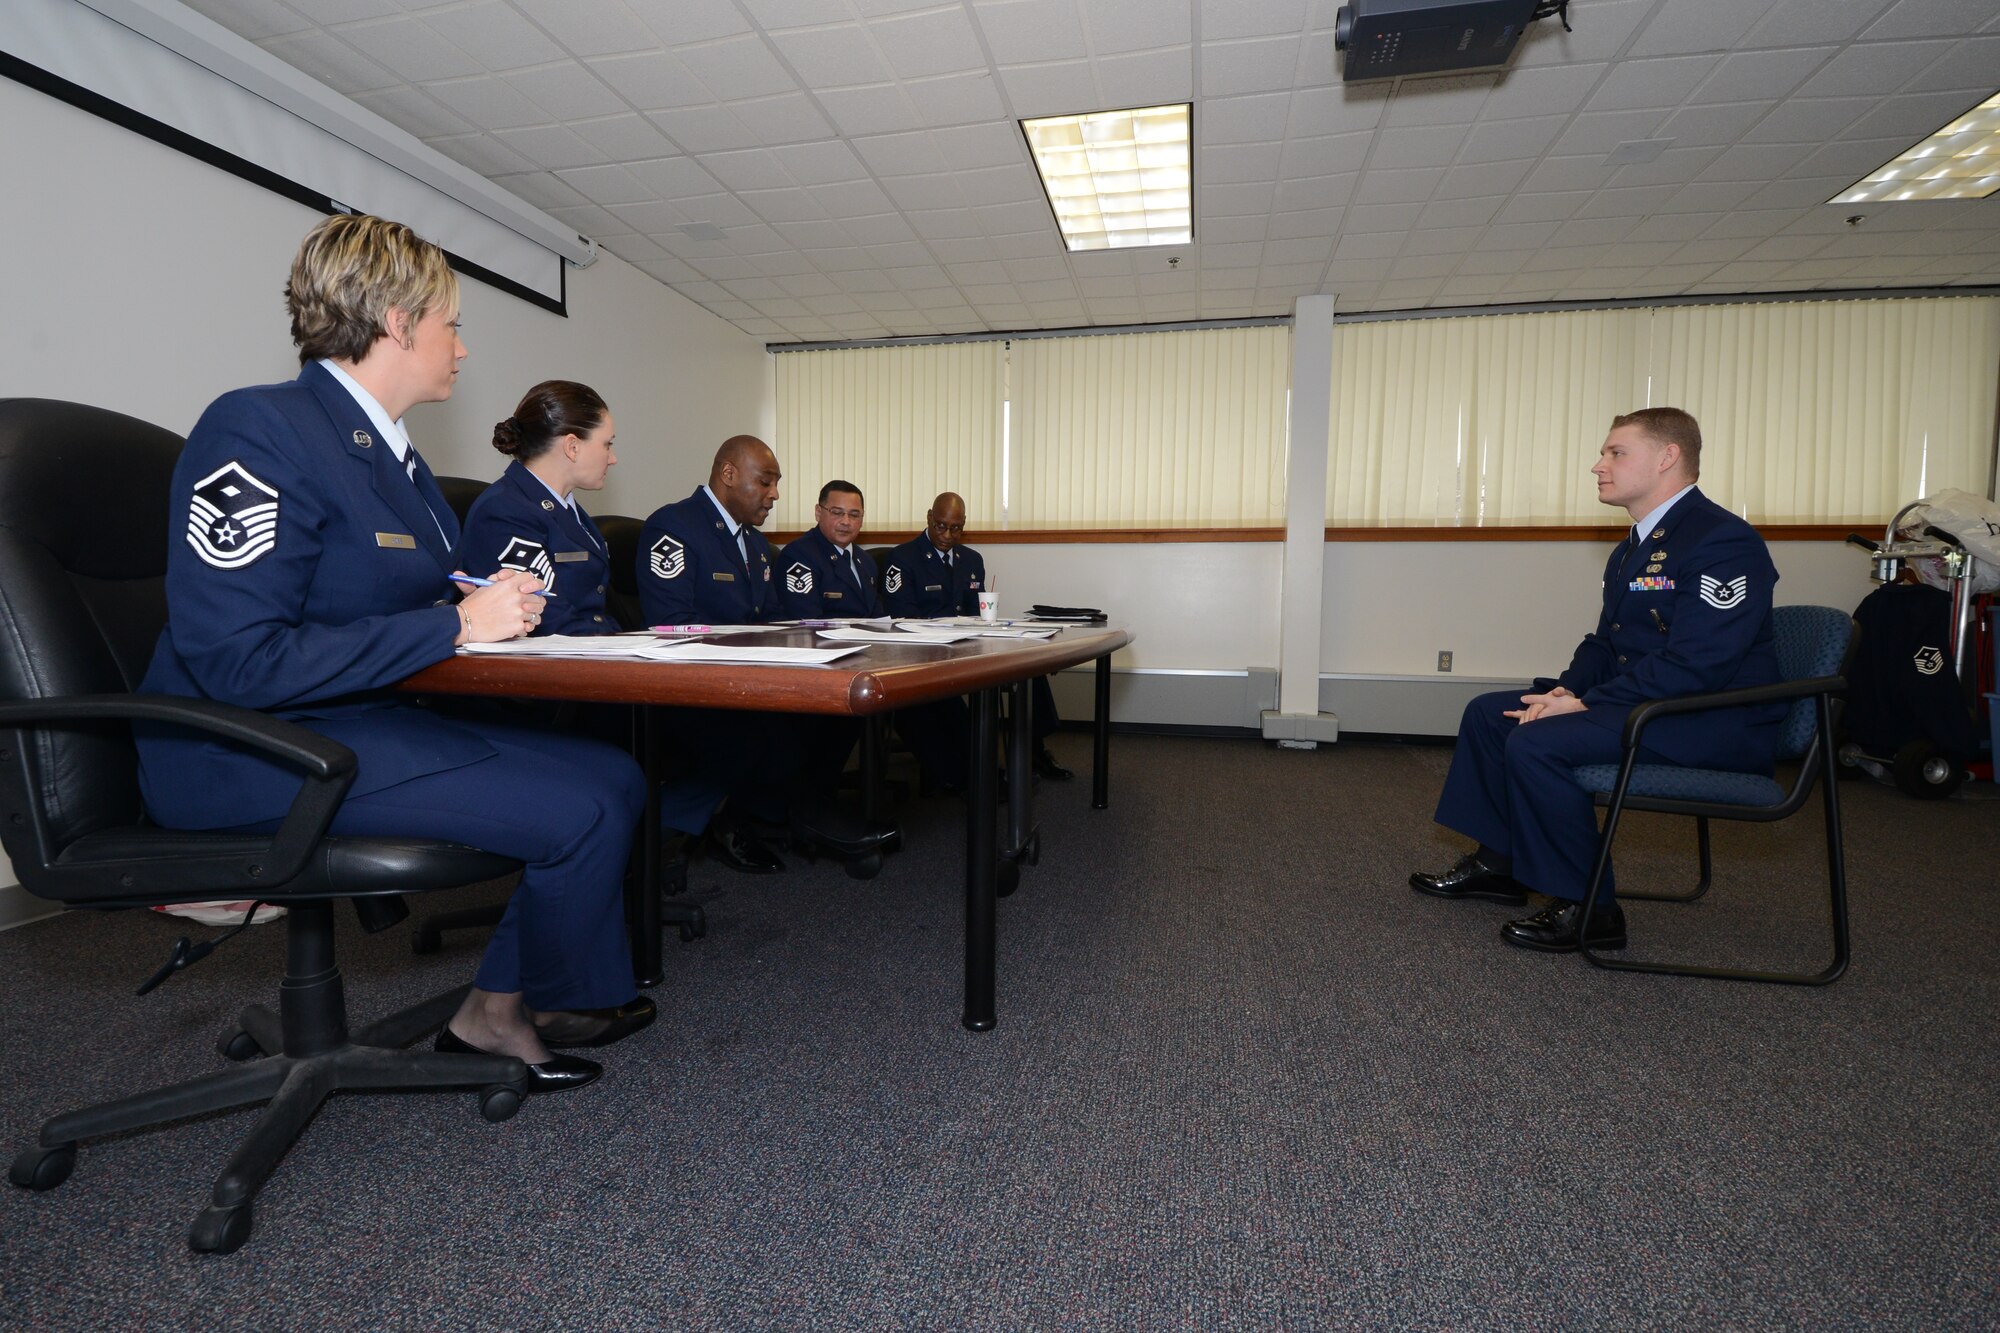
(499, 1102)
(865, 867)
(1006, 879)
(220, 1230)
(426, 940)
(42, 1168)
(239, 1046)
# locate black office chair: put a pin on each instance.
(460, 492)
(84, 527)
(1814, 646)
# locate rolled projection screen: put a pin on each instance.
(176, 76)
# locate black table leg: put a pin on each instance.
(1022, 844)
(1100, 758)
(981, 861)
(642, 902)
(872, 729)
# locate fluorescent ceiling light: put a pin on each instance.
(1960, 161)
(1117, 178)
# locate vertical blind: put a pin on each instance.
(1812, 412)
(1826, 411)
(1173, 429)
(902, 423)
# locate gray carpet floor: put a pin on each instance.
(1243, 1078)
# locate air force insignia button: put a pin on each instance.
(799, 578)
(530, 558)
(1659, 533)
(667, 559)
(233, 518)
(363, 438)
(893, 581)
(1725, 596)
(549, 505)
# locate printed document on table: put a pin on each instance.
(635, 648)
(974, 627)
(856, 635)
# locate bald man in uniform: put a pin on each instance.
(702, 561)
(936, 574)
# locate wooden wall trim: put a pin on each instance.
(1776, 532)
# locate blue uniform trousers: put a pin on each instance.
(567, 807)
(1510, 788)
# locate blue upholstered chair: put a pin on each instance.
(1814, 644)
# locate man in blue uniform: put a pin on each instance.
(824, 575)
(702, 561)
(935, 574)
(1687, 609)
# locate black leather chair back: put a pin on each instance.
(621, 539)
(83, 562)
(460, 492)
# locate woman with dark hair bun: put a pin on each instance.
(560, 438)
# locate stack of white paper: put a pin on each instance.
(632, 648)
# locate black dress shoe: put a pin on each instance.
(741, 850)
(558, 1073)
(1554, 928)
(1471, 878)
(580, 1027)
(836, 834)
(1047, 767)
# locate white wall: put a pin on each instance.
(139, 279)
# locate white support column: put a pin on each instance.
(1298, 721)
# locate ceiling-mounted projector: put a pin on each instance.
(1385, 39)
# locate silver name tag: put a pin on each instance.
(723, 578)
(396, 541)
(571, 557)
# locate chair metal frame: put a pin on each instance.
(1816, 764)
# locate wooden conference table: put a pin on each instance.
(875, 680)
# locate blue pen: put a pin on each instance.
(475, 581)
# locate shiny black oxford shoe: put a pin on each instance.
(1471, 878)
(1047, 767)
(1554, 929)
(558, 1073)
(735, 846)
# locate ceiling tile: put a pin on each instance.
(590, 27)
(1697, 25)
(1930, 18)
(737, 67)
(877, 109)
(1449, 100)
(551, 146)
(790, 118)
(1378, 186)
(1454, 213)
(673, 177)
(1483, 178)
(1253, 119)
(1599, 132)
(251, 19)
(488, 102)
(1022, 32)
(910, 154)
(494, 35)
(677, 21)
(567, 91)
(1060, 89)
(414, 110)
(1709, 126)
(1504, 141)
(938, 41)
(652, 80)
(748, 169)
(1652, 84)
(1135, 25)
(1557, 90)
(1413, 146)
(703, 129)
(1146, 78)
(1246, 162)
(956, 100)
(1760, 76)
(410, 49)
(1257, 65)
(840, 55)
(1873, 69)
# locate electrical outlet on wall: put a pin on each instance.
(1444, 661)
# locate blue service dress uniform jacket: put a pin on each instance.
(918, 583)
(1686, 609)
(818, 581)
(307, 576)
(690, 571)
(516, 524)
